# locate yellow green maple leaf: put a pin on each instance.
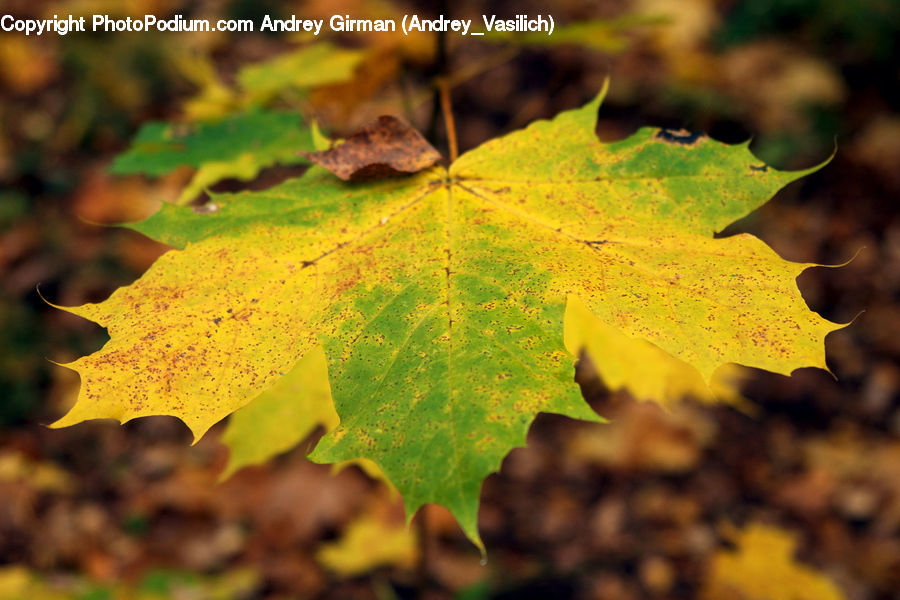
(439, 298)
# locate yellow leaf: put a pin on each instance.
(763, 568)
(244, 168)
(18, 583)
(321, 142)
(14, 581)
(17, 51)
(40, 475)
(368, 543)
(642, 368)
(309, 66)
(281, 417)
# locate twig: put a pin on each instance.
(440, 70)
(422, 538)
(449, 123)
(475, 68)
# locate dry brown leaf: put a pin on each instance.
(644, 437)
(387, 148)
(777, 80)
(878, 145)
(863, 475)
(103, 199)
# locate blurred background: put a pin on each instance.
(797, 490)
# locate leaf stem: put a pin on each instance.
(422, 538)
(449, 123)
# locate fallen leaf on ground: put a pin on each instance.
(38, 474)
(367, 543)
(763, 567)
(644, 437)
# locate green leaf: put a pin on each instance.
(239, 147)
(439, 298)
(160, 147)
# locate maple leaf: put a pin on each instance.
(439, 298)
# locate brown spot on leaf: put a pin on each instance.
(387, 148)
